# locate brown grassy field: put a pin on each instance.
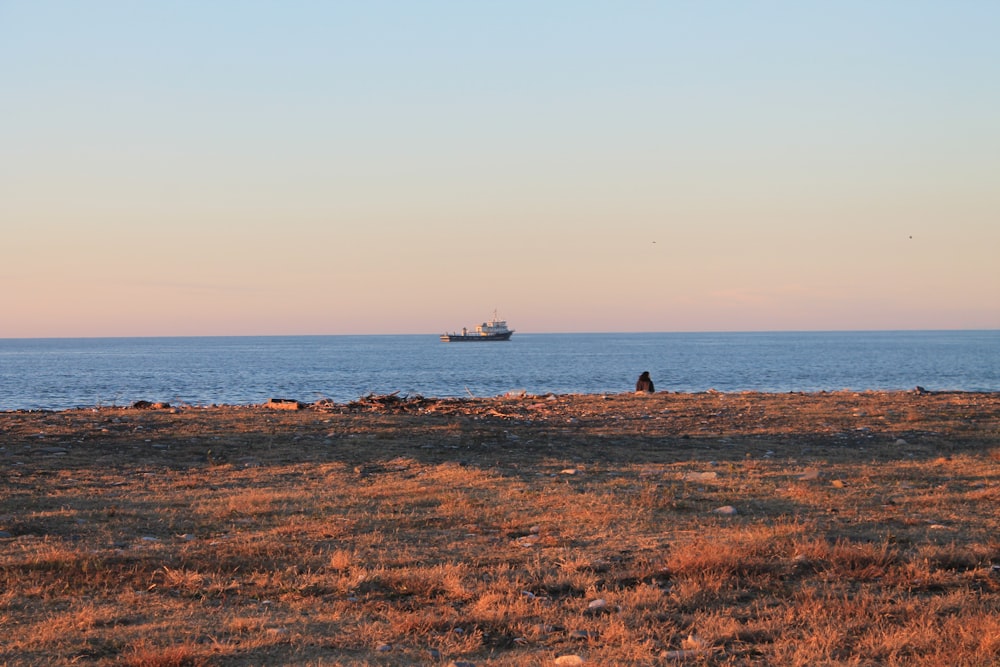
(707, 529)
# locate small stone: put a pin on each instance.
(726, 510)
(597, 607)
(566, 660)
(383, 648)
(700, 476)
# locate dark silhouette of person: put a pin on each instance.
(644, 383)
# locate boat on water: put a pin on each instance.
(495, 329)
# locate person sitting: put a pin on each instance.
(644, 383)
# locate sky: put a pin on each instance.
(256, 168)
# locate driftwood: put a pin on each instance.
(149, 405)
(470, 407)
(387, 403)
(284, 404)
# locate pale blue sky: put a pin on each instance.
(173, 168)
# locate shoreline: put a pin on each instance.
(604, 425)
(395, 397)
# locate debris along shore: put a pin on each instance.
(718, 528)
(602, 425)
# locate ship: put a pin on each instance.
(495, 329)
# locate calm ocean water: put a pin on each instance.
(67, 373)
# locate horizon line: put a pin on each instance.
(521, 333)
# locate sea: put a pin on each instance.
(64, 373)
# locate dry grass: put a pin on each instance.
(486, 531)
